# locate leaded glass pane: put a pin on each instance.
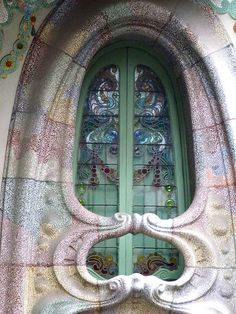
(103, 259)
(154, 165)
(97, 170)
(154, 188)
(97, 174)
(163, 262)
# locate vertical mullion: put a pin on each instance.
(129, 157)
(122, 157)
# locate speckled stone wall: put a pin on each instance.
(46, 233)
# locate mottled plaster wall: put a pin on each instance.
(9, 85)
(39, 203)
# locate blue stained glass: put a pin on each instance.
(114, 150)
(102, 108)
(141, 136)
(102, 103)
(111, 136)
(144, 136)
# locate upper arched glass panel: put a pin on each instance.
(154, 186)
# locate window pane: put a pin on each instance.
(103, 259)
(154, 185)
(164, 261)
(154, 165)
(97, 171)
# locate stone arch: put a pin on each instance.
(38, 170)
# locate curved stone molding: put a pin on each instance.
(70, 306)
(71, 253)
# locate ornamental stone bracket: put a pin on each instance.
(72, 274)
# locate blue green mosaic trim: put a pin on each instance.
(10, 62)
(26, 7)
(225, 7)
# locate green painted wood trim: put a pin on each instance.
(123, 167)
(143, 57)
(129, 157)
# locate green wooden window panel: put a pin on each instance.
(118, 71)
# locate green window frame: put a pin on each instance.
(126, 58)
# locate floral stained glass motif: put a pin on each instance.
(98, 151)
(99, 145)
(154, 179)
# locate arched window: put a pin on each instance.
(130, 158)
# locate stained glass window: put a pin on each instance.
(103, 259)
(98, 150)
(155, 257)
(154, 178)
(154, 188)
(126, 161)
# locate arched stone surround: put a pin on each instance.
(43, 220)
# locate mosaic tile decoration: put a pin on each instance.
(9, 63)
(47, 234)
(223, 6)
